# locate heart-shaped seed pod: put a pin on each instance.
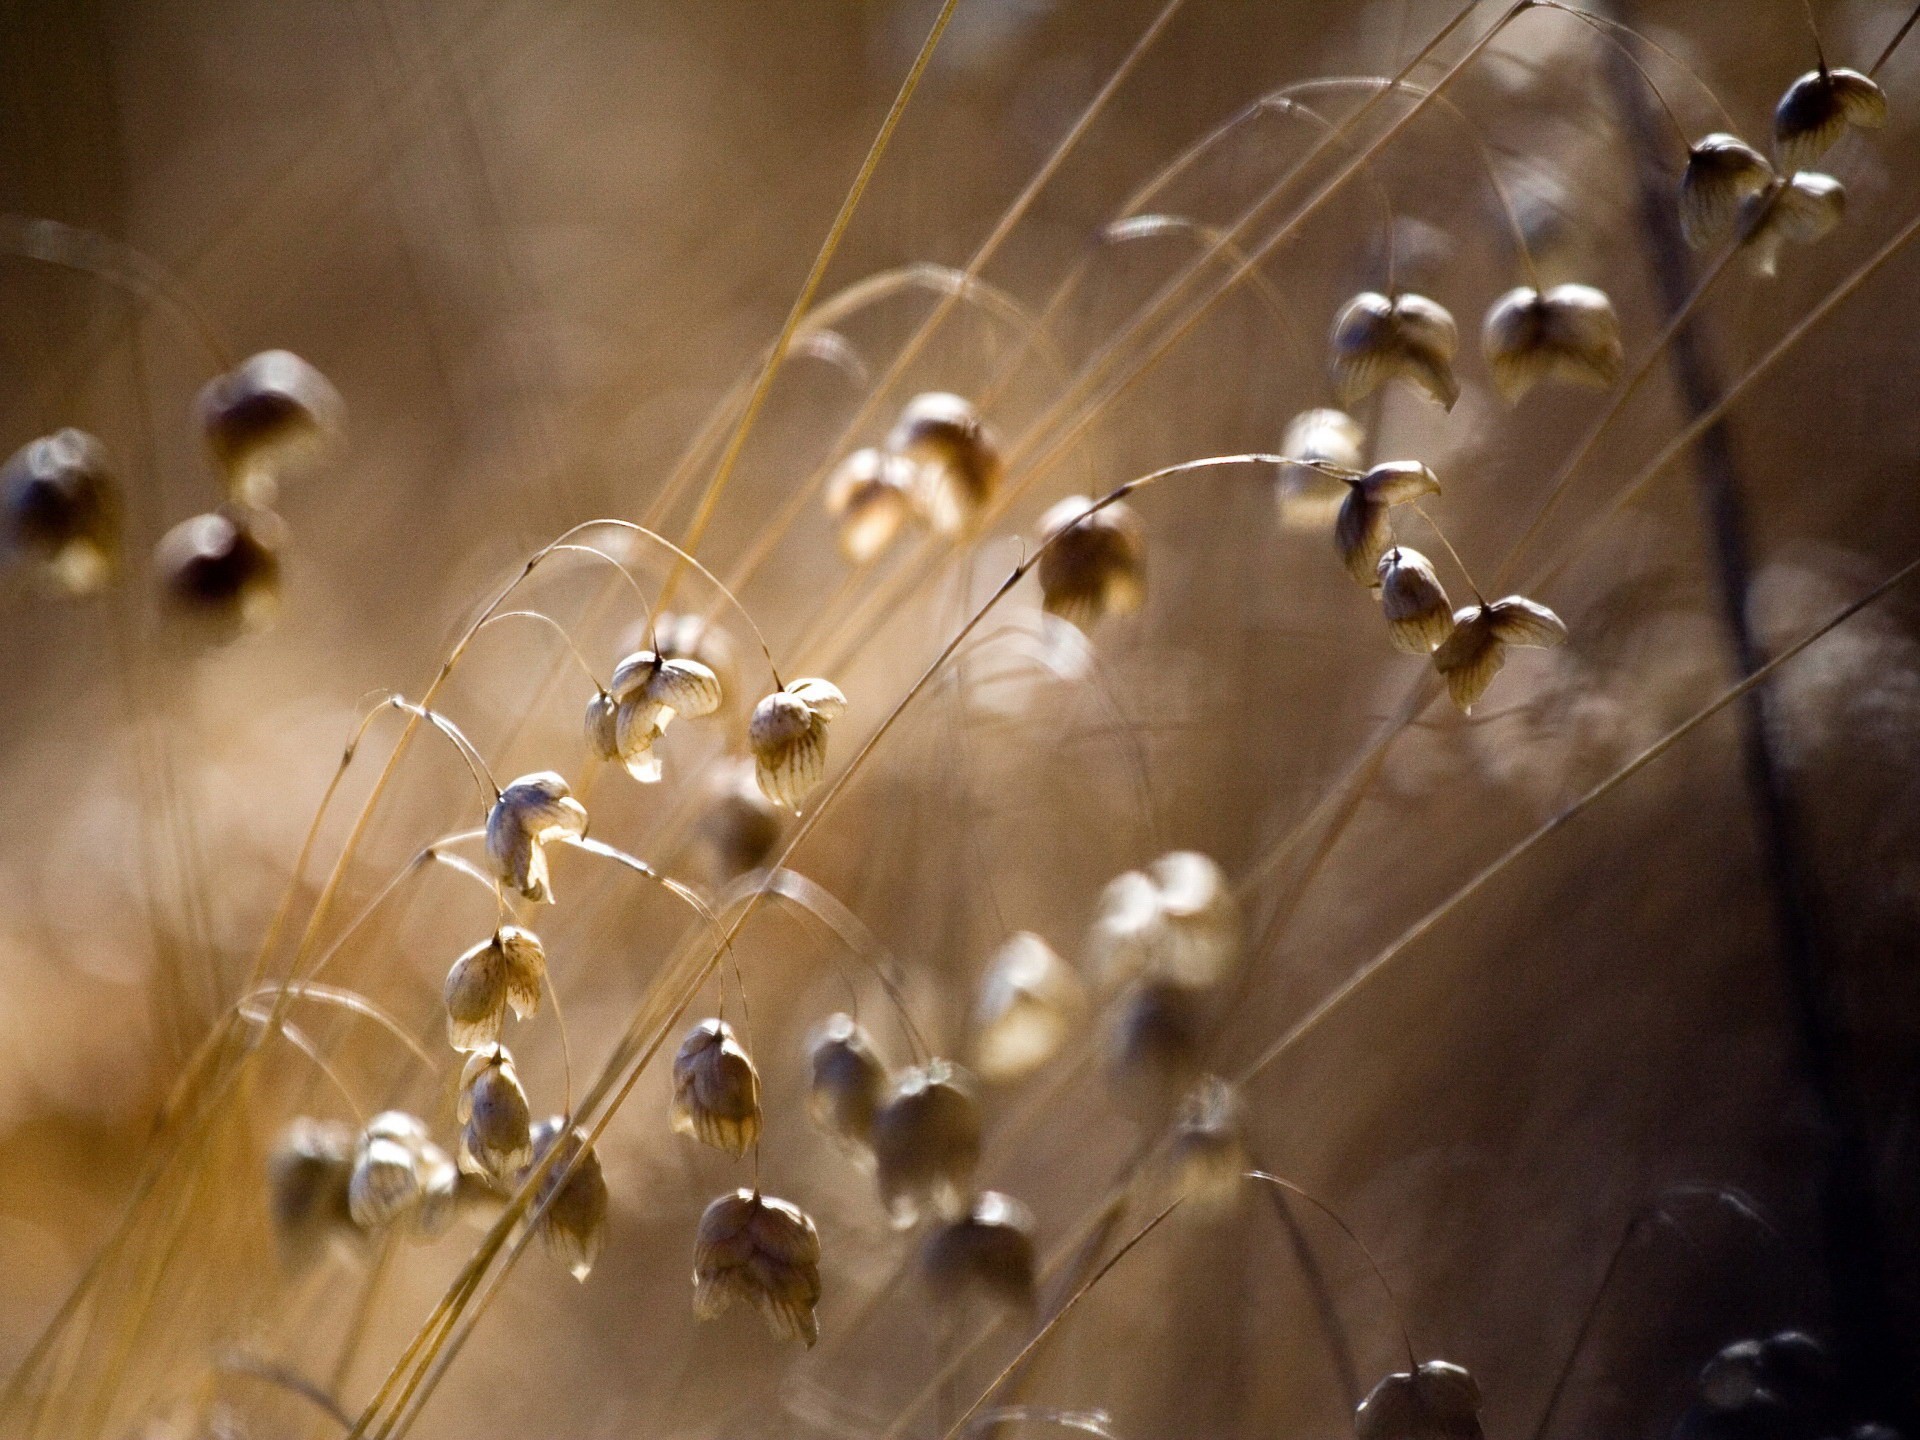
(716, 1089)
(956, 460)
(1094, 564)
(1409, 337)
(1363, 529)
(986, 1254)
(788, 737)
(1567, 332)
(1419, 616)
(1473, 654)
(531, 813)
(62, 510)
(926, 1142)
(269, 415)
(870, 496)
(763, 1251)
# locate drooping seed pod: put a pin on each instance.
(716, 1089)
(1566, 332)
(1376, 339)
(926, 1142)
(308, 1176)
(740, 825)
(63, 509)
(496, 1139)
(1363, 529)
(1309, 496)
(1732, 1379)
(268, 415)
(987, 1253)
(870, 497)
(764, 1251)
(956, 460)
(848, 1083)
(1799, 211)
(1156, 1042)
(1816, 110)
(788, 736)
(1473, 654)
(575, 1223)
(1174, 921)
(399, 1175)
(1438, 1401)
(1030, 1002)
(506, 970)
(1094, 564)
(645, 694)
(1723, 173)
(1207, 1156)
(1419, 616)
(220, 572)
(531, 813)
(1797, 1368)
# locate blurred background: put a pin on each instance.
(532, 245)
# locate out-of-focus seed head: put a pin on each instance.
(1733, 1378)
(716, 1089)
(505, 970)
(1797, 1368)
(1798, 211)
(788, 736)
(220, 572)
(400, 1176)
(926, 1142)
(1364, 529)
(740, 825)
(956, 460)
(63, 509)
(848, 1083)
(1030, 1003)
(1207, 1156)
(764, 1251)
(531, 813)
(1376, 339)
(575, 1223)
(1156, 1042)
(308, 1177)
(1723, 173)
(987, 1254)
(1309, 497)
(1438, 1401)
(496, 1139)
(1419, 616)
(1472, 655)
(1817, 109)
(1567, 332)
(1174, 921)
(1096, 566)
(268, 415)
(870, 497)
(645, 694)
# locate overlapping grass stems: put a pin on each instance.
(1114, 370)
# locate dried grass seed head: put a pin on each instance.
(1176, 921)
(531, 813)
(1799, 211)
(1473, 654)
(401, 1176)
(63, 509)
(508, 969)
(1566, 332)
(740, 825)
(1097, 565)
(987, 1254)
(1031, 1001)
(870, 496)
(1377, 339)
(646, 692)
(1732, 1379)
(496, 1137)
(763, 1251)
(926, 1142)
(309, 1174)
(956, 459)
(716, 1089)
(788, 737)
(1419, 616)
(1309, 497)
(1438, 1401)
(575, 1223)
(1156, 1045)
(1364, 527)
(1818, 107)
(270, 414)
(220, 572)
(1207, 1156)
(1723, 173)
(848, 1081)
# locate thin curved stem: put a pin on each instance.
(541, 615)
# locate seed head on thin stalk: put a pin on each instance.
(764, 1251)
(62, 509)
(688, 635)
(1799, 211)
(270, 414)
(1567, 332)
(870, 497)
(1175, 921)
(926, 1142)
(716, 1089)
(574, 1222)
(1723, 174)
(496, 1140)
(626, 720)
(1436, 1401)
(1323, 442)
(788, 736)
(219, 573)
(740, 825)
(1818, 108)
(1419, 616)
(531, 813)
(1363, 529)
(401, 1177)
(1208, 1153)
(308, 1176)
(1097, 565)
(848, 1081)
(987, 1253)
(1030, 1003)
(1409, 337)
(509, 969)
(1473, 654)
(956, 460)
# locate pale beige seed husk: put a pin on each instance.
(269, 414)
(926, 1142)
(574, 1225)
(386, 1180)
(956, 459)
(870, 498)
(1364, 529)
(1309, 497)
(1030, 1004)
(1097, 566)
(496, 1139)
(1418, 614)
(308, 1177)
(716, 1089)
(1207, 1155)
(531, 812)
(1817, 109)
(987, 1253)
(1476, 650)
(506, 970)
(1801, 211)
(1723, 173)
(1569, 332)
(1409, 337)
(764, 1251)
(788, 737)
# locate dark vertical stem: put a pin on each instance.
(1851, 1242)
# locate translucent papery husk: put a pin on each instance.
(870, 497)
(788, 737)
(1030, 1003)
(1363, 530)
(988, 1254)
(1207, 1156)
(574, 1223)
(926, 1143)
(1097, 564)
(1376, 339)
(1156, 1040)
(1438, 1401)
(1569, 332)
(716, 1089)
(1818, 107)
(309, 1173)
(1723, 174)
(388, 1169)
(956, 460)
(507, 970)
(62, 509)
(600, 725)
(1418, 614)
(1310, 498)
(270, 413)
(1174, 921)
(674, 683)
(848, 1081)
(496, 1139)
(764, 1251)
(1474, 653)
(531, 812)
(1799, 211)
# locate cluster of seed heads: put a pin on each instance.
(940, 467)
